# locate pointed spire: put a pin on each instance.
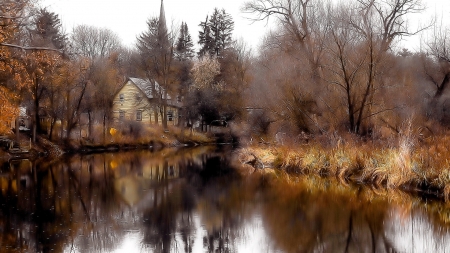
(162, 19)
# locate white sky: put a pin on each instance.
(128, 18)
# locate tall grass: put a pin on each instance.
(408, 161)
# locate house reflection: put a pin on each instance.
(46, 205)
(136, 181)
(192, 201)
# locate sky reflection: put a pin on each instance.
(193, 201)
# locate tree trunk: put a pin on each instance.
(164, 116)
(90, 124)
(52, 125)
(61, 131)
(443, 86)
(181, 125)
(17, 129)
(156, 117)
(36, 108)
(104, 128)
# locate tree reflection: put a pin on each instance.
(319, 215)
(191, 200)
(50, 204)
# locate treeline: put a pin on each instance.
(67, 76)
(326, 67)
(336, 67)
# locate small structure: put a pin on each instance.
(142, 100)
(23, 120)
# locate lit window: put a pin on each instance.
(121, 115)
(139, 116)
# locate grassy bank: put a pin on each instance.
(151, 137)
(407, 163)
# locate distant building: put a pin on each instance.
(24, 120)
(142, 101)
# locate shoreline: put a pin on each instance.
(56, 151)
(412, 171)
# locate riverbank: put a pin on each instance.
(406, 163)
(156, 139)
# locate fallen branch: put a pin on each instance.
(30, 48)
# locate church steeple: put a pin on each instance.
(162, 20)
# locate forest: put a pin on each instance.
(327, 71)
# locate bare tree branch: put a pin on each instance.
(31, 48)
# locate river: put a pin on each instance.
(193, 200)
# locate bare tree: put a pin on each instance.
(387, 19)
(439, 49)
(361, 39)
(347, 47)
(294, 54)
(101, 52)
(93, 42)
(303, 25)
(435, 72)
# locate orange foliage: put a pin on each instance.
(8, 109)
(20, 70)
(8, 105)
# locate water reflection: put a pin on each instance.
(191, 200)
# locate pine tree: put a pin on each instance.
(216, 33)
(225, 30)
(47, 30)
(205, 39)
(215, 25)
(184, 49)
(156, 52)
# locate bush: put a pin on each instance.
(132, 128)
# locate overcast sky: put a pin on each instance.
(128, 18)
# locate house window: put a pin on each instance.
(121, 97)
(138, 115)
(170, 116)
(121, 115)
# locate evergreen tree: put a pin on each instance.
(225, 30)
(156, 57)
(184, 48)
(205, 39)
(216, 33)
(47, 30)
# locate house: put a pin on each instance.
(142, 100)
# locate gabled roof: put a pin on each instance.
(146, 87)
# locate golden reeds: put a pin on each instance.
(411, 163)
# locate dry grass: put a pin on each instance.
(156, 134)
(407, 162)
(190, 136)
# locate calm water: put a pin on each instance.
(193, 201)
